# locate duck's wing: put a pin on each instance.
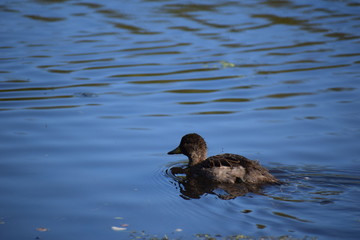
(227, 160)
(254, 172)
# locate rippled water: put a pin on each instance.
(93, 94)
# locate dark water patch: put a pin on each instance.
(213, 112)
(228, 100)
(85, 94)
(142, 49)
(246, 87)
(184, 80)
(91, 61)
(191, 91)
(302, 61)
(53, 107)
(34, 98)
(89, 5)
(132, 28)
(289, 216)
(157, 115)
(54, 88)
(60, 71)
(347, 55)
(181, 9)
(39, 56)
(232, 100)
(120, 66)
(113, 14)
(165, 73)
(45, 19)
(255, 65)
(190, 103)
(185, 28)
(284, 4)
(303, 69)
(156, 53)
(16, 81)
(281, 20)
(277, 107)
(313, 117)
(111, 117)
(82, 54)
(48, 66)
(5, 8)
(98, 34)
(286, 95)
(297, 45)
(339, 89)
(87, 41)
(341, 36)
(244, 29)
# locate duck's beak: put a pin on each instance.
(175, 151)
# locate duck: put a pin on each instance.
(222, 168)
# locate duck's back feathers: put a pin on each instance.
(232, 167)
(226, 160)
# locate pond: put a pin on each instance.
(93, 94)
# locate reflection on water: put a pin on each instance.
(92, 92)
(193, 187)
(307, 184)
(299, 202)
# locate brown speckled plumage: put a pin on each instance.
(225, 168)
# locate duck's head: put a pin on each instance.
(193, 146)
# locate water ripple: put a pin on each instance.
(119, 80)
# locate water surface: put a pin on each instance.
(94, 94)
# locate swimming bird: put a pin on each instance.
(223, 168)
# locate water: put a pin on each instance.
(94, 94)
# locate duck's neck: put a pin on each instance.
(196, 157)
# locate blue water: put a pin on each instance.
(94, 94)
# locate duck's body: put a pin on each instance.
(224, 168)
